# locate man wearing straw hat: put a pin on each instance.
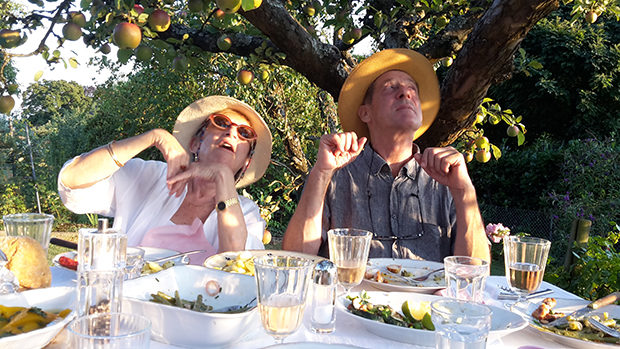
(417, 205)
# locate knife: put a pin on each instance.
(578, 314)
(63, 243)
(512, 296)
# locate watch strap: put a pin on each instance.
(222, 205)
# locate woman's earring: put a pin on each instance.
(195, 157)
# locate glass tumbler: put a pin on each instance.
(35, 225)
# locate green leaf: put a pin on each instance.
(45, 55)
(535, 64)
(520, 139)
(85, 4)
(56, 53)
(73, 62)
(118, 4)
(124, 55)
(378, 19)
(497, 153)
(38, 75)
(487, 99)
(160, 44)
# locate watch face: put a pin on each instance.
(221, 205)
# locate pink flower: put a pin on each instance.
(496, 232)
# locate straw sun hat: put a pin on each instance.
(356, 85)
(192, 117)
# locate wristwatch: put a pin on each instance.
(221, 206)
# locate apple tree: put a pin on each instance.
(477, 40)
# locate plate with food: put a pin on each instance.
(35, 317)
(408, 317)
(68, 260)
(196, 307)
(576, 333)
(242, 262)
(396, 275)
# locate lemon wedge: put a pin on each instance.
(415, 310)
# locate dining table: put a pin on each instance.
(350, 332)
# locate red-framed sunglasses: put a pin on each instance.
(224, 123)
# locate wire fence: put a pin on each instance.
(533, 223)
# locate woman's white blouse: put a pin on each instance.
(137, 197)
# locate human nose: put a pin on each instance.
(406, 92)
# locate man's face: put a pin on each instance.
(395, 104)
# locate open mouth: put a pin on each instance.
(227, 146)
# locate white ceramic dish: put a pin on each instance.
(417, 268)
(567, 306)
(49, 299)
(218, 261)
(150, 253)
(503, 321)
(187, 328)
(310, 345)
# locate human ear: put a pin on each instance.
(363, 112)
(194, 144)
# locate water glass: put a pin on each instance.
(348, 250)
(465, 277)
(110, 331)
(282, 287)
(525, 258)
(460, 324)
(135, 262)
(35, 225)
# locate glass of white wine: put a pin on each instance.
(282, 285)
(348, 250)
(525, 258)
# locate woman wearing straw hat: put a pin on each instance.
(218, 145)
(420, 206)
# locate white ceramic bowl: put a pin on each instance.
(187, 328)
(49, 299)
(503, 321)
(417, 268)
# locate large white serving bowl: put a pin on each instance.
(187, 328)
(503, 321)
(53, 299)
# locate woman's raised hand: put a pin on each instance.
(175, 155)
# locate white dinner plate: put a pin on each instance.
(150, 253)
(567, 306)
(434, 283)
(188, 328)
(218, 261)
(52, 299)
(503, 321)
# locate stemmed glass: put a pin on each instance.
(348, 250)
(525, 258)
(282, 285)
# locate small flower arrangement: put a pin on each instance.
(496, 232)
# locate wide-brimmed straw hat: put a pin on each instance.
(355, 87)
(195, 114)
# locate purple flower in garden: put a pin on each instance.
(496, 232)
(591, 217)
(555, 217)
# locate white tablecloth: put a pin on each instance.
(351, 332)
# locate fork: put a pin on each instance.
(424, 277)
(605, 329)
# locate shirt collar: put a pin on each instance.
(375, 162)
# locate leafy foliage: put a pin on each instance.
(597, 270)
(48, 100)
(574, 93)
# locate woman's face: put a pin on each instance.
(224, 146)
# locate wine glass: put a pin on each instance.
(348, 250)
(282, 285)
(525, 258)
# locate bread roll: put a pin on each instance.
(27, 261)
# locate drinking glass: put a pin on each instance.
(111, 331)
(282, 287)
(135, 262)
(525, 258)
(460, 324)
(465, 277)
(35, 225)
(348, 250)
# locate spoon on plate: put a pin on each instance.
(234, 309)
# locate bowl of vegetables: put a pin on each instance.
(195, 307)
